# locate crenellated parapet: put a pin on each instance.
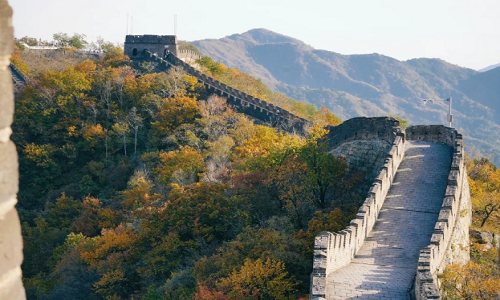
(240, 101)
(333, 251)
(450, 239)
(188, 55)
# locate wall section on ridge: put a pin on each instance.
(333, 251)
(240, 101)
(11, 255)
(450, 239)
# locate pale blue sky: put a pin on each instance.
(463, 32)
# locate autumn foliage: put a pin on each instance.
(138, 185)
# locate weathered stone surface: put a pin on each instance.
(386, 264)
(6, 99)
(11, 255)
(8, 172)
(11, 242)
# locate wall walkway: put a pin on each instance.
(18, 78)
(413, 223)
(385, 265)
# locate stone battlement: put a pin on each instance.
(333, 251)
(450, 240)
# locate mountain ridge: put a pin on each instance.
(368, 84)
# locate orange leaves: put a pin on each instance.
(16, 60)
(107, 254)
(86, 66)
(259, 280)
(139, 194)
(40, 154)
(470, 281)
(93, 133)
(325, 117)
(94, 217)
(204, 293)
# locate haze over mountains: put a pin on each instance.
(369, 84)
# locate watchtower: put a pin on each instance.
(161, 45)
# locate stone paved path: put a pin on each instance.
(386, 263)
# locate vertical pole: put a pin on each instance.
(127, 24)
(175, 25)
(449, 99)
(132, 25)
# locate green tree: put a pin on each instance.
(324, 169)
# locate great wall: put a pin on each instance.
(413, 222)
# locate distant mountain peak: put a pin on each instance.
(489, 68)
(264, 36)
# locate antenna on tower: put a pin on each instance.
(175, 25)
(127, 24)
(132, 25)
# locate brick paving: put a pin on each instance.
(386, 263)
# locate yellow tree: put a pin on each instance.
(172, 113)
(259, 280)
(185, 165)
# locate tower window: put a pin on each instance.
(134, 52)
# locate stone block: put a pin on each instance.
(6, 98)
(453, 177)
(430, 291)
(11, 285)
(6, 33)
(11, 242)
(9, 176)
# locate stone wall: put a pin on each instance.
(187, 55)
(333, 251)
(364, 158)
(363, 128)
(241, 102)
(11, 255)
(450, 240)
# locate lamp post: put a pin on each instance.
(449, 117)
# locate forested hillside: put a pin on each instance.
(369, 85)
(137, 185)
(143, 186)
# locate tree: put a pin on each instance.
(172, 113)
(484, 181)
(471, 281)
(324, 169)
(259, 280)
(325, 117)
(186, 160)
(121, 127)
(77, 40)
(135, 121)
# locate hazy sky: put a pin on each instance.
(462, 32)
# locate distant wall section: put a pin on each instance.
(161, 45)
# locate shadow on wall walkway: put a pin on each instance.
(386, 263)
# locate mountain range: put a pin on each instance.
(369, 84)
